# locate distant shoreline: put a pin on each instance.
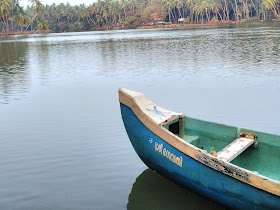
(26, 32)
(173, 25)
(179, 25)
(211, 23)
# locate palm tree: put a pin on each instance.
(168, 6)
(207, 8)
(113, 11)
(179, 5)
(190, 4)
(37, 9)
(273, 6)
(5, 9)
(92, 15)
(21, 18)
(227, 10)
(215, 7)
(200, 11)
(43, 24)
(246, 9)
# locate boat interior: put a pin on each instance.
(255, 151)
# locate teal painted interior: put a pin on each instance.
(263, 159)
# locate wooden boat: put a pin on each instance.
(243, 172)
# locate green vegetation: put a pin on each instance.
(110, 14)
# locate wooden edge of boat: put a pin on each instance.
(153, 116)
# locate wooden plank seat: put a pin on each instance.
(235, 148)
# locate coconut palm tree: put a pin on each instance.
(21, 18)
(215, 7)
(272, 5)
(190, 4)
(245, 8)
(207, 9)
(179, 5)
(37, 9)
(168, 5)
(43, 24)
(5, 9)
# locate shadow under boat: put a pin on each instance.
(153, 191)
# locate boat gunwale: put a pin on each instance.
(137, 101)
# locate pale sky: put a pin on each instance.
(24, 3)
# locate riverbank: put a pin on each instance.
(218, 23)
(26, 32)
(205, 24)
(167, 25)
(179, 25)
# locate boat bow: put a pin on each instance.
(146, 107)
(154, 118)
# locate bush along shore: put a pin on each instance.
(128, 14)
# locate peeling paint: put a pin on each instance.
(157, 112)
(219, 166)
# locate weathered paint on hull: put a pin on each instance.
(192, 174)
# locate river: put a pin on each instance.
(63, 143)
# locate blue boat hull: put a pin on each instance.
(191, 174)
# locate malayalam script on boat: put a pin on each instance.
(177, 160)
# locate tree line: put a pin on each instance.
(110, 14)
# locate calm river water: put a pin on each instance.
(63, 143)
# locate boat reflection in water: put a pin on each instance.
(153, 191)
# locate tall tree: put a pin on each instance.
(168, 4)
(5, 9)
(21, 18)
(37, 9)
(43, 24)
(272, 5)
